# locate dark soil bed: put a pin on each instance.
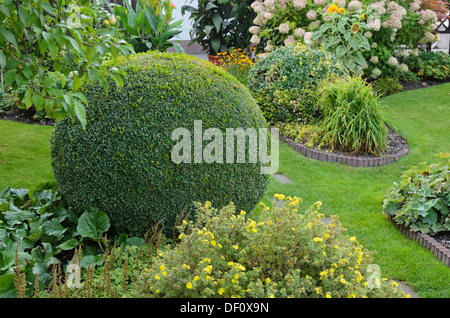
(443, 238)
(23, 116)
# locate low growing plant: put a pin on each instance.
(287, 253)
(422, 198)
(38, 230)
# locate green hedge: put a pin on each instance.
(122, 162)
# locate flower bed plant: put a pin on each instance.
(422, 199)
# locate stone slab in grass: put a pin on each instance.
(282, 178)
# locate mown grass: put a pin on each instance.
(24, 154)
(355, 194)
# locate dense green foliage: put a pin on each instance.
(353, 120)
(289, 252)
(51, 47)
(285, 82)
(38, 230)
(122, 162)
(422, 199)
(212, 23)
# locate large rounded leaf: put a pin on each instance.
(93, 224)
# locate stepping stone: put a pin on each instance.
(282, 178)
(407, 290)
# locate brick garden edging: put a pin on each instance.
(437, 249)
(353, 161)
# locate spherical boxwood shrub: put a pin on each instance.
(286, 253)
(284, 83)
(121, 163)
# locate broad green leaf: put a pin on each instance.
(69, 244)
(80, 112)
(217, 20)
(93, 224)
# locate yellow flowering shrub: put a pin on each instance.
(238, 62)
(285, 253)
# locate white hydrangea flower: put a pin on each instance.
(299, 32)
(374, 59)
(374, 45)
(375, 73)
(403, 67)
(392, 61)
(375, 24)
(311, 15)
(254, 29)
(289, 40)
(307, 37)
(368, 34)
(255, 39)
(354, 5)
(268, 15)
(299, 4)
(284, 28)
(319, 2)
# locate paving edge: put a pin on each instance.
(437, 249)
(353, 161)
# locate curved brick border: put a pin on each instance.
(437, 249)
(353, 161)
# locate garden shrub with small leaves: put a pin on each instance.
(285, 82)
(287, 253)
(122, 162)
(422, 198)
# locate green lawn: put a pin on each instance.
(355, 194)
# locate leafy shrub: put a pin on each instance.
(309, 135)
(432, 65)
(285, 82)
(353, 120)
(285, 254)
(387, 85)
(38, 230)
(122, 162)
(422, 199)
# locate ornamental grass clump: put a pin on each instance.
(353, 119)
(286, 253)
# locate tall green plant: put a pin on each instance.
(343, 36)
(353, 120)
(149, 26)
(212, 24)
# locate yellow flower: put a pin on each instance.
(213, 243)
(317, 290)
(279, 196)
(317, 239)
(156, 276)
(164, 273)
(362, 16)
(341, 10)
(221, 291)
(333, 8)
(196, 278)
(207, 204)
(242, 212)
(162, 268)
(328, 295)
(189, 285)
(235, 247)
(267, 280)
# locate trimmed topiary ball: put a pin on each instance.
(122, 162)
